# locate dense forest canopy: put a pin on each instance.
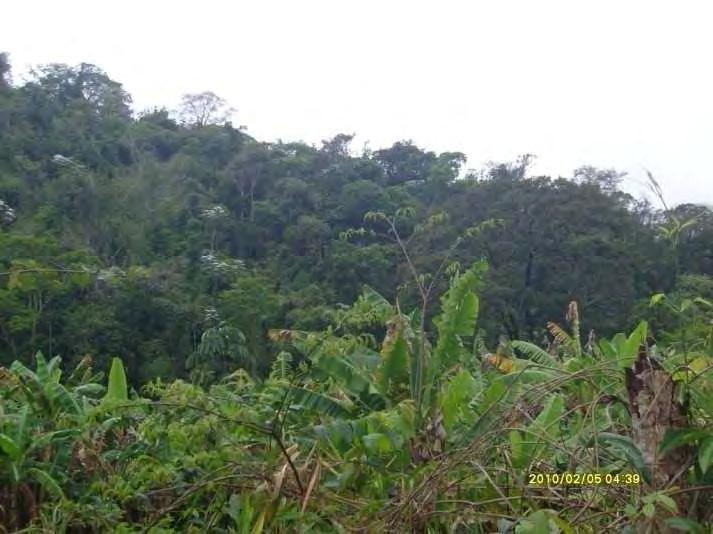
(134, 226)
(383, 338)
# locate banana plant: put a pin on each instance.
(44, 392)
(40, 420)
(406, 384)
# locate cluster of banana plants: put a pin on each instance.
(376, 423)
(46, 425)
(434, 430)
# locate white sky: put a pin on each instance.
(625, 84)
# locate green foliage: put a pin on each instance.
(457, 319)
(529, 444)
(117, 389)
(534, 353)
(395, 365)
(628, 449)
(207, 272)
(455, 397)
(211, 216)
(334, 442)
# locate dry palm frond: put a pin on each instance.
(562, 338)
(502, 363)
(572, 317)
(280, 335)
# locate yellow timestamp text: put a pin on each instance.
(583, 479)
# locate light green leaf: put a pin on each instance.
(117, 388)
(456, 395)
(459, 307)
(47, 482)
(342, 370)
(377, 443)
(534, 353)
(517, 450)
(395, 365)
(377, 303)
(59, 396)
(43, 374)
(312, 400)
(536, 523)
(9, 447)
(667, 502)
(628, 448)
(90, 389)
(685, 525)
(606, 349)
(705, 454)
(543, 429)
(656, 299)
(703, 302)
(675, 438)
(631, 347)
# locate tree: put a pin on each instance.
(359, 197)
(4, 71)
(63, 85)
(252, 306)
(307, 236)
(246, 171)
(558, 241)
(511, 171)
(696, 239)
(607, 179)
(134, 191)
(201, 109)
(338, 146)
(404, 162)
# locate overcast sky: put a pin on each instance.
(624, 84)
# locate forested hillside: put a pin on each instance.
(179, 218)
(330, 338)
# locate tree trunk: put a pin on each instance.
(654, 410)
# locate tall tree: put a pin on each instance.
(202, 109)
